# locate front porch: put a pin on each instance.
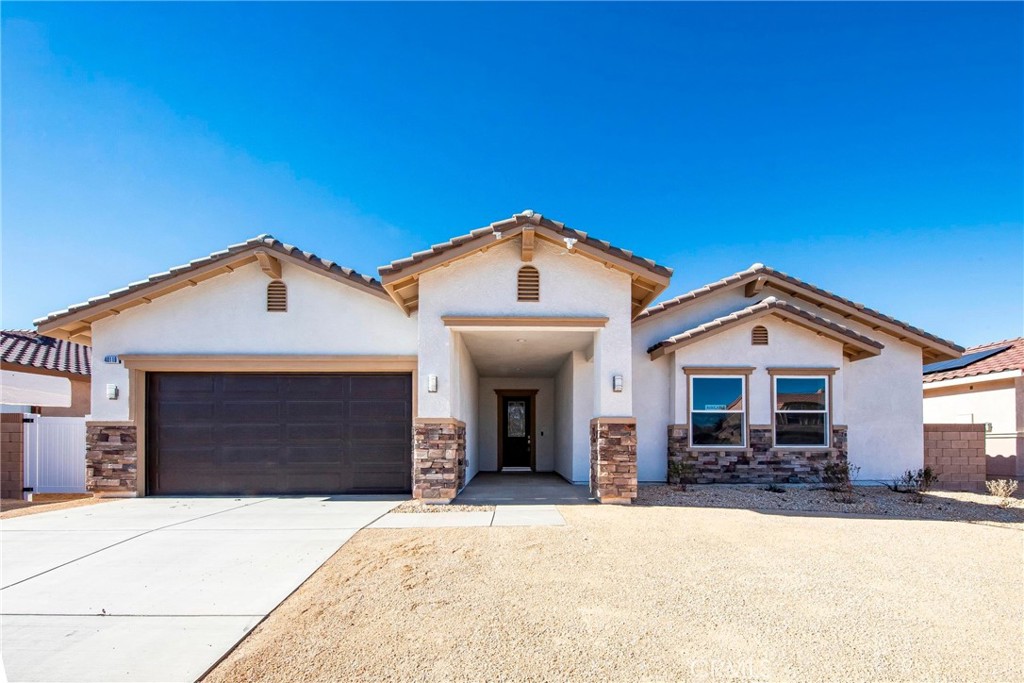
(523, 488)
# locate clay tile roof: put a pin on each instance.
(1008, 355)
(26, 347)
(768, 304)
(759, 269)
(525, 219)
(269, 242)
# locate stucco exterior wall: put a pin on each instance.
(878, 398)
(574, 407)
(227, 315)
(563, 419)
(484, 284)
(487, 416)
(978, 402)
(467, 382)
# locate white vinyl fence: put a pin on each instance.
(55, 454)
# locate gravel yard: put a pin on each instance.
(45, 502)
(655, 593)
(417, 506)
(866, 500)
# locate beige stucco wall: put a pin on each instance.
(227, 315)
(484, 284)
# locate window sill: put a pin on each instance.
(789, 449)
(716, 449)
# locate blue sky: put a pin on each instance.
(872, 149)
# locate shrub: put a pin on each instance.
(1003, 488)
(917, 483)
(680, 472)
(838, 478)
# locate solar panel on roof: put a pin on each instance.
(964, 360)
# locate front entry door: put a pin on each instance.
(517, 431)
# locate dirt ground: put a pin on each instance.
(960, 506)
(655, 593)
(45, 502)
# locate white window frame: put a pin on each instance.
(742, 411)
(827, 412)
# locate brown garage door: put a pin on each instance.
(234, 433)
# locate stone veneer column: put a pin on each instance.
(111, 459)
(613, 473)
(439, 459)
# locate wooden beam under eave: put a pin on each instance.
(528, 240)
(755, 286)
(269, 265)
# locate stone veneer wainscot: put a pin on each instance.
(761, 463)
(613, 466)
(111, 458)
(439, 459)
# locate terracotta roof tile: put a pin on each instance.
(760, 269)
(767, 304)
(526, 218)
(266, 241)
(1011, 358)
(26, 347)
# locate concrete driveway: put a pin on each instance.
(158, 589)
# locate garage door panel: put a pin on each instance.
(223, 433)
(379, 410)
(378, 387)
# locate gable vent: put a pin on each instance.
(277, 297)
(529, 284)
(759, 336)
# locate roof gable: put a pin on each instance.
(400, 278)
(855, 346)
(75, 322)
(759, 276)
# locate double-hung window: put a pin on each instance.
(801, 410)
(718, 414)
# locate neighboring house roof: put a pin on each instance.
(757, 276)
(985, 359)
(400, 277)
(855, 345)
(35, 352)
(75, 322)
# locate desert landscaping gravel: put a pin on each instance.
(417, 506)
(655, 593)
(45, 502)
(864, 500)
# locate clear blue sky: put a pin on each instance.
(872, 149)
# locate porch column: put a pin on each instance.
(439, 458)
(613, 472)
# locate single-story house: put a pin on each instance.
(522, 345)
(985, 386)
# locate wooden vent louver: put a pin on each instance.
(759, 336)
(529, 284)
(277, 297)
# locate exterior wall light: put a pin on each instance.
(112, 392)
(617, 383)
(432, 383)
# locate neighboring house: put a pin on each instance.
(523, 345)
(985, 386)
(44, 375)
(49, 378)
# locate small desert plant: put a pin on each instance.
(838, 478)
(917, 483)
(1003, 488)
(680, 472)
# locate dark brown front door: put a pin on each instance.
(517, 431)
(240, 433)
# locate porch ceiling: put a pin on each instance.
(540, 353)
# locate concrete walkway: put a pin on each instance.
(502, 515)
(157, 589)
(522, 488)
